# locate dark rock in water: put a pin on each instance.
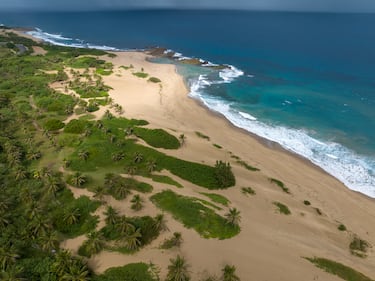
(157, 51)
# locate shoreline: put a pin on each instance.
(268, 242)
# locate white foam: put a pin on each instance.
(59, 40)
(247, 116)
(355, 171)
(230, 73)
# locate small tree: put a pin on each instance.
(223, 174)
(233, 217)
(229, 273)
(137, 202)
(178, 270)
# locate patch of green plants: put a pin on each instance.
(217, 146)
(154, 80)
(280, 184)
(341, 227)
(91, 91)
(306, 202)
(157, 138)
(345, 272)
(195, 215)
(217, 198)
(358, 247)
(203, 136)
(76, 126)
(141, 74)
(282, 209)
(53, 124)
(248, 190)
(54, 102)
(85, 62)
(174, 241)
(166, 180)
(247, 166)
(129, 272)
(127, 67)
(75, 218)
(103, 71)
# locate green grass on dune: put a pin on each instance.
(194, 215)
(345, 272)
(217, 198)
(129, 272)
(166, 180)
(157, 138)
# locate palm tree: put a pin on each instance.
(50, 241)
(132, 170)
(229, 273)
(99, 193)
(34, 155)
(160, 223)
(12, 273)
(8, 256)
(122, 191)
(84, 155)
(233, 217)
(177, 239)
(72, 216)
(95, 243)
(76, 271)
(77, 179)
(62, 260)
(20, 173)
(38, 227)
(118, 156)
(132, 239)
(4, 219)
(4, 204)
(151, 166)
(111, 216)
(137, 202)
(154, 271)
(52, 185)
(178, 270)
(123, 226)
(138, 157)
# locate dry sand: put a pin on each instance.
(270, 245)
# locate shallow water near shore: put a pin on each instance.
(305, 81)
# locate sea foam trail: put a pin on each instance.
(357, 172)
(59, 40)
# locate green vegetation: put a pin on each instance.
(318, 211)
(338, 269)
(178, 270)
(341, 227)
(248, 190)
(166, 180)
(76, 126)
(283, 209)
(157, 138)
(217, 146)
(195, 215)
(306, 202)
(203, 136)
(229, 273)
(154, 80)
(140, 74)
(174, 241)
(280, 184)
(127, 67)
(247, 166)
(85, 62)
(129, 272)
(359, 247)
(53, 124)
(224, 175)
(217, 198)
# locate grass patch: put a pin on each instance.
(127, 67)
(53, 125)
(358, 247)
(154, 80)
(217, 198)
(85, 62)
(195, 215)
(248, 190)
(141, 74)
(157, 138)
(282, 209)
(166, 180)
(217, 146)
(341, 227)
(247, 166)
(202, 136)
(103, 71)
(280, 184)
(306, 202)
(129, 272)
(345, 272)
(76, 126)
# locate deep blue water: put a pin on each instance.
(304, 80)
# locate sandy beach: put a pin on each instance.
(270, 246)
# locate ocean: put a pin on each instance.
(303, 80)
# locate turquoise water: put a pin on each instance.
(303, 80)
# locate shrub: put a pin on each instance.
(203, 136)
(140, 74)
(224, 175)
(157, 138)
(358, 247)
(280, 184)
(76, 126)
(306, 202)
(248, 190)
(53, 125)
(154, 80)
(129, 272)
(283, 209)
(341, 227)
